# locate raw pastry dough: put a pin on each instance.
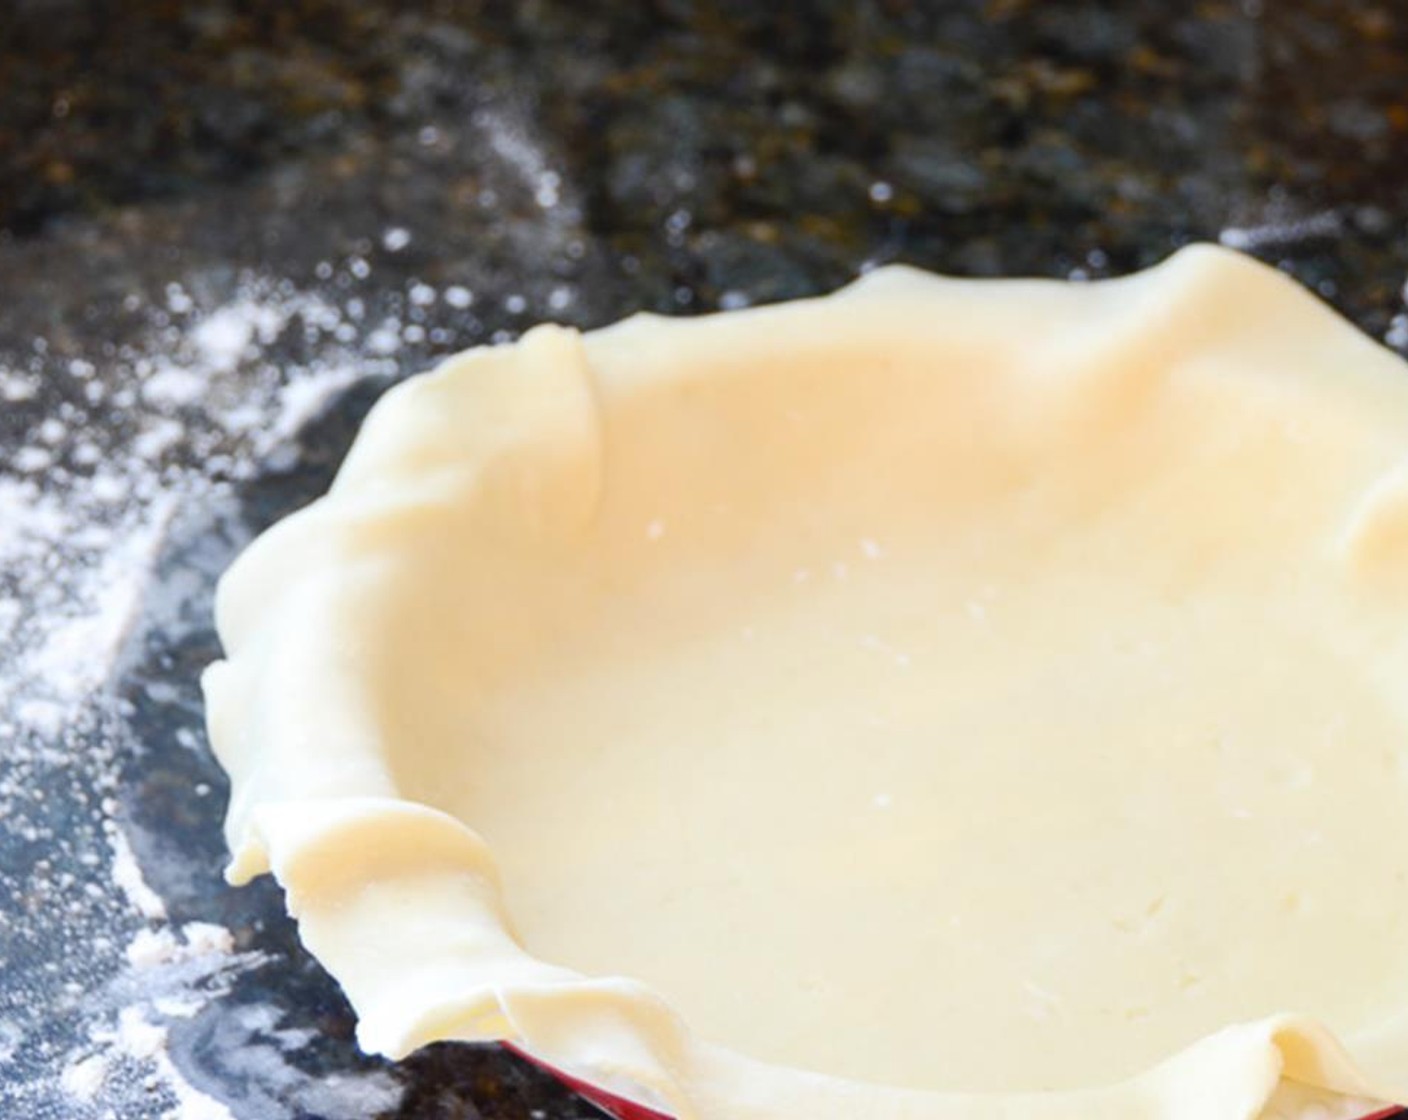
(971, 693)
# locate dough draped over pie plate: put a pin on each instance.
(943, 699)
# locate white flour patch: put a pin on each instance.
(151, 947)
(76, 650)
(512, 137)
(224, 337)
(10, 1038)
(123, 444)
(191, 1103)
(80, 523)
(171, 975)
(1397, 334)
(343, 1095)
(127, 875)
(303, 401)
(1264, 235)
(84, 1079)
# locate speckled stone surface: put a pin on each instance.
(573, 161)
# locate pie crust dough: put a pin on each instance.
(942, 699)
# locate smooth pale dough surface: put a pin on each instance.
(941, 699)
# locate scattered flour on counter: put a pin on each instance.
(342, 1095)
(299, 403)
(84, 1079)
(198, 405)
(1283, 231)
(116, 447)
(127, 875)
(10, 1038)
(191, 1103)
(193, 941)
(170, 976)
(78, 647)
(1397, 334)
(224, 336)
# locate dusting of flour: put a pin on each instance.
(195, 408)
(116, 447)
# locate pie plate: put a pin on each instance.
(1296, 1103)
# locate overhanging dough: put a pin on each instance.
(970, 693)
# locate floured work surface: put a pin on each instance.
(957, 687)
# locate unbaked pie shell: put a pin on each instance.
(469, 495)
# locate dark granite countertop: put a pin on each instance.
(226, 227)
